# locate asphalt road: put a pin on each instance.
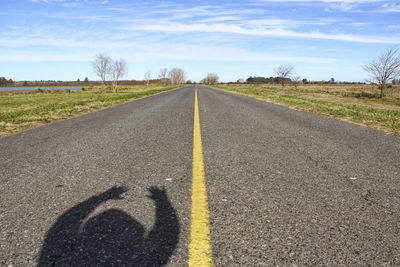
(284, 187)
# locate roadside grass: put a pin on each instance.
(359, 104)
(21, 110)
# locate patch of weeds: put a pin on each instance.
(366, 95)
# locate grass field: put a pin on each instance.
(357, 103)
(20, 110)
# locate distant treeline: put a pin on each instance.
(4, 82)
(275, 80)
(84, 83)
(267, 80)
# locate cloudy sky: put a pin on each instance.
(58, 39)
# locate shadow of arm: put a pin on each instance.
(163, 238)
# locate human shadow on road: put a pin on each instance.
(111, 238)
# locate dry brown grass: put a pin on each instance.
(357, 103)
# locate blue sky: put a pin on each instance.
(58, 39)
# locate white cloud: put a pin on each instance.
(211, 11)
(325, 1)
(343, 6)
(69, 3)
(284, 23)
(162, 52)
(221, 18)
(260, 31)
(391, 7)
(330, 5)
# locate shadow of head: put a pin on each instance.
(111, 237)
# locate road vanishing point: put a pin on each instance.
(198, 176)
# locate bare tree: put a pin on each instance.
(296, 80)
(117, 70)
(163, 76)
(284, 72)
(384, 68)
(211, 78)
(101, 67)
(177, 76)
(147, 77)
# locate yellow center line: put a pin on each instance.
(199, 248)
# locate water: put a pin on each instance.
(72, 88)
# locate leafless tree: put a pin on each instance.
(101, 67)
(177, 76)
(211, 78)
(147, 77)
(283, 72)
(296, 80)
(163, 76)
(117, 70)
(384, 68)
